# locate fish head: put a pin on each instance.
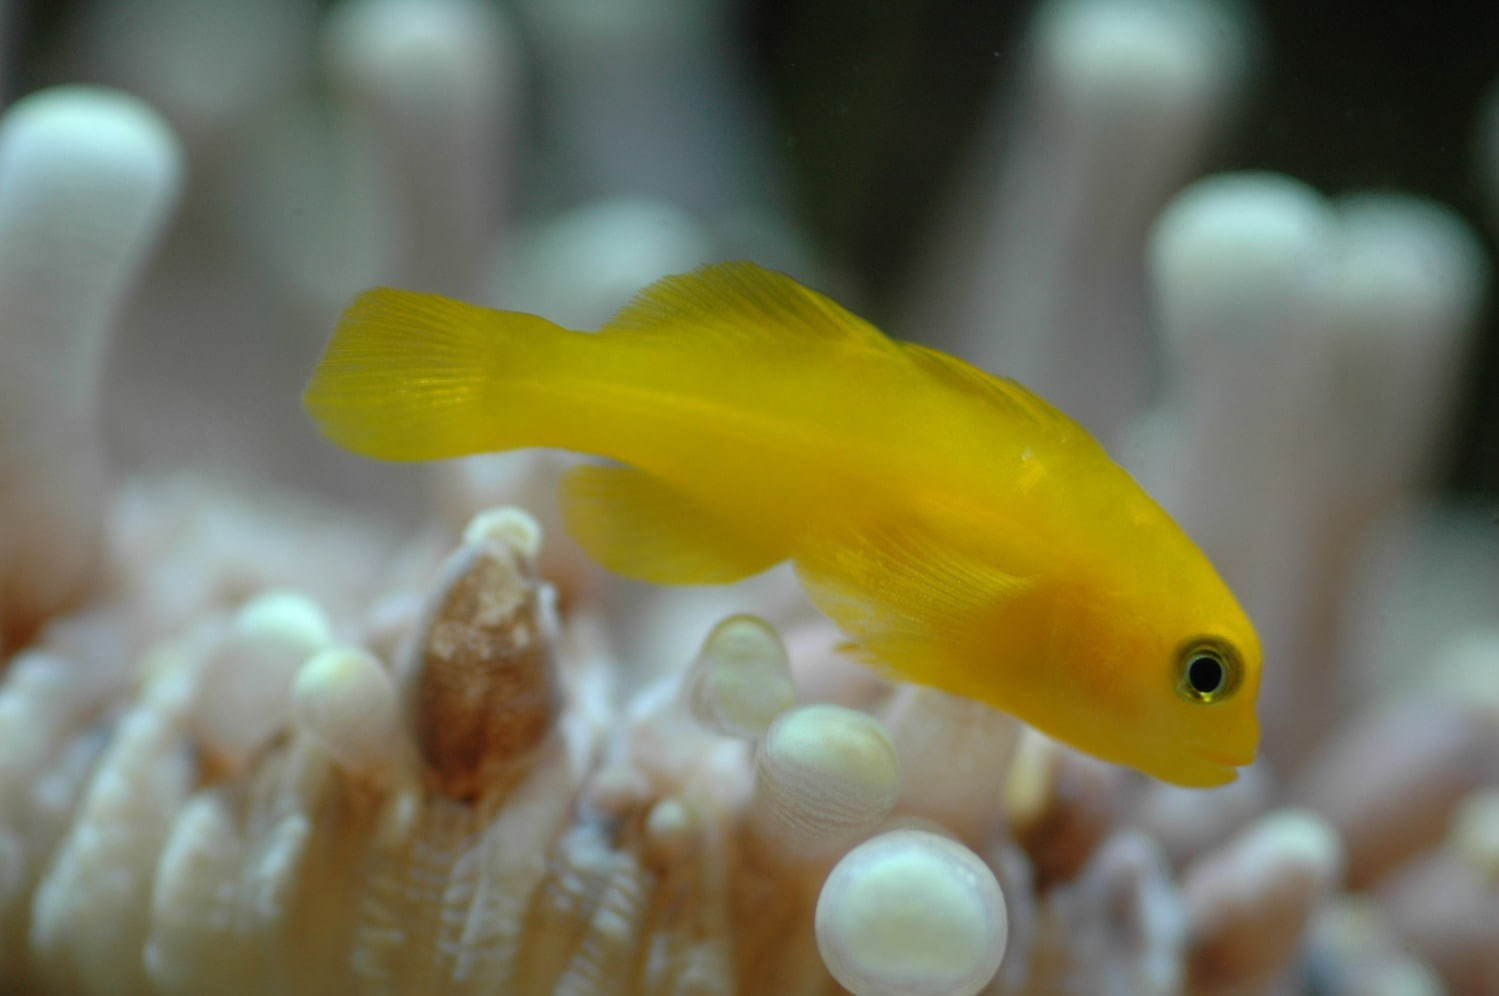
(1194, 693)
(1166, 685)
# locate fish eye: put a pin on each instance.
(1208, 671)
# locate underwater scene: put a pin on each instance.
(763, 497)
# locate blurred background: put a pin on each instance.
(990, 178)
(1250, 246)
(837, 130)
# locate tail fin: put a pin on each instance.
(411, 376)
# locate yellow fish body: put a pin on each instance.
(962, 531)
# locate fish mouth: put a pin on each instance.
(1208, 770)
(1235, 760)
(1229, 755)
(1216, 774)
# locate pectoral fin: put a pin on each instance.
(911, 605)
(637, 525)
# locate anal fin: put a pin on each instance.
(637, 525)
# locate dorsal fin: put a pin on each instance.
(741, 299)
(1001, 392)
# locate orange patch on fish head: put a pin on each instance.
(1167, 690)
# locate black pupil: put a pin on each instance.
(1205, 674)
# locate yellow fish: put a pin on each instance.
(963, 532)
